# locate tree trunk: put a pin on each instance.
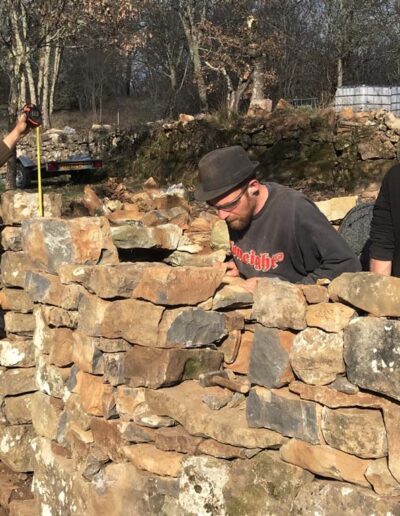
(46, 86)
(128, 74)
(339, 72)
(31, 83)
(193, 39)
(257, 93)
(12, 116)
(54, 76)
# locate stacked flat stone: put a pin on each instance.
(123, 426)
(17, 356)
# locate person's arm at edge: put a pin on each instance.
(12, 138)
(381, 233)
(383, 267)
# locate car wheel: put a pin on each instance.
(22, 176)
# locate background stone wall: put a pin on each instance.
(321, 148)
(106, 385)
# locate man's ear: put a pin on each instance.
(254, 187)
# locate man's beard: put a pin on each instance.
(239, 224)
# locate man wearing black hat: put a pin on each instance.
(275, 231)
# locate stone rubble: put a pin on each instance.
(100, 361)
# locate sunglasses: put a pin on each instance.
(228, 206)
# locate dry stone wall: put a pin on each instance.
(109, 393)
(293, 146)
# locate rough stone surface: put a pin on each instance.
(19, 324)
(317, 357)
(114, 368)
(178, 286)
(50, 243)
(131, 319)
(61, 346)
(56, 317)
(331, 317)
(154, 367)
(15, 447)
(46, 414)
(108, 438)
(283, 412)
(165, 236)
(17, 409)
(17, 353)
(148, 457)
(56, 485)
(109, 281)
(360, 432)
(92, 393)
(371, 353)
(279, 304)
(337, 207)
(17, 381)
(71, 273)
(325, 461)
(225, 451)
(269, 361)
(134, 433)
(232, 296)
(315, 294)
(327, 498)
(227, 425)
(123, 489)
(219, 237)
(335, 399)
(201, 486)
(13, 268)
(17, 206)
(47, 289)
(16, 300)
(379, 476)
(376, 294)
(85, 355)
(51, 379)
(185, 259)
(127, 400)
(11, 239)
(191, 328)
(263, 485)
(176, 439)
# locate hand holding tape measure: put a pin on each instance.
(33, 118)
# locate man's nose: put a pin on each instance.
(222, 214)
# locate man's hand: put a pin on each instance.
(21, 128)
(229, 268)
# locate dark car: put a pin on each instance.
(80, 167)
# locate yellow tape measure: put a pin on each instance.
(39, 174)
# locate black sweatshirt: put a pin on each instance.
(385, 224)
(291, 239)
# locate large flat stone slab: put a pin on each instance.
(376, 294)
(372, 355)
(51, 243)
(280, 410)
(226, 425)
